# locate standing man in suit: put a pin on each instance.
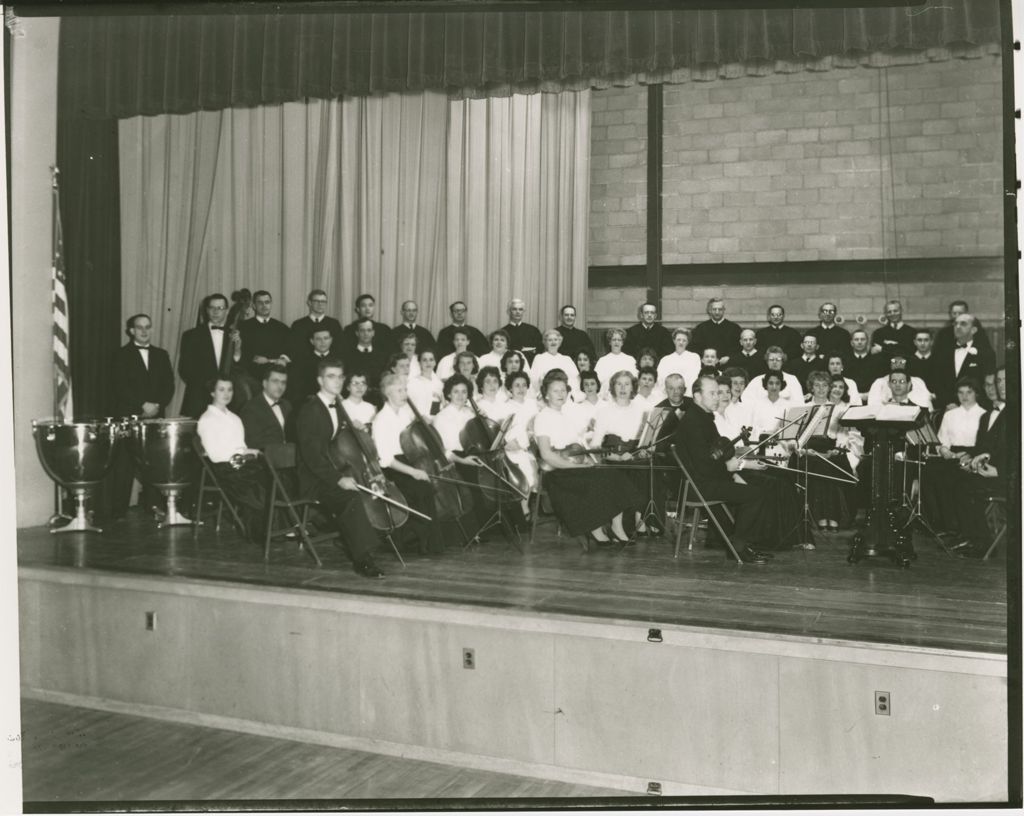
(365, 307)
(369, 357)
(265, 417)
(895, 337)
(808, 361)
(327, 478)
(922, 362)
(317, 318)
(302, 372)
(264, 339)
(424, 339)
(777, 333)
(522, 336)
(944, 336)
(446, 337)
(964, 359)
(573, 340)
(202, 352)
(649, 333)
(830, 336)
(858, 363)
(717, 332)
(143, 386)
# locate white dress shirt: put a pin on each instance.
(361, 411)
(221, 433)
(545, 362)
(610, 365)
(960, 426)
(144, 354)
(388, 425)
(687, 365)
(217, 338)
(960, 355)
(880, 394)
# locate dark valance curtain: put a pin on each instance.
(129, 65)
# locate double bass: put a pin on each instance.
(244, 384)
(422, 446)
(498, 473)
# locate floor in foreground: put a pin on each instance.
(74, 754)
(940, 602)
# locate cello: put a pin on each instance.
(477, 438)
(422, 446)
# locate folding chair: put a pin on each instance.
(995, 512)
(540, 494)
(685, 502)
(280, 457)
(209, 485)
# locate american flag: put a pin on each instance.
(62, 407)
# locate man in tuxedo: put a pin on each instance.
(965, 358)
(327, 479)
(264, 339)
(830, 336)
(201, 357)
(368, 357)
(573, 340)
(678, 404)
(808, 361)
(445, 338)
(265, 417)
(302, 372)
(717, 332)
(777, 333)
(424, 339)
(366, 306)
(944, 337)
(895, 337)
(316, 318)
(522, 336)
(720, 479)
(143, 385)
(649, 333)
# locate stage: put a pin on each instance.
(620, 667)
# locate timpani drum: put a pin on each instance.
(165, 452)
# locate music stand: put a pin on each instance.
(498, 518)
(652, 423)
(921, 438)
(814, 421)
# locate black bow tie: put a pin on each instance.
(142, 348)
(274, 404)
(216, 328)
(332, 406)
(961, 345)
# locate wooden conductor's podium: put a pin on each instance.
(884, 535)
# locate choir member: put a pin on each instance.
(717, 332)
(615, 360)
(573, 340)
(830, 336)
(859, 364)
(410, 347)
(836, 368)
(709, 363)
(648, 392)
(551, 358)
(368, 355)
(498, 340)
(446, 365)
(647, 333)
(922, 363)
(944, 337)
(264, 339)
(302, 378)
(749, 358)
(965, 358)
(328, 480)
(584, 360)
(446, 339)
(777, 333)
(768, 413)
(808, 361)
(680, 361)
(585, 499)
(792, 392)
(410, 311)
(881, 390)
(522, 336)
(359, 410)
(895, 337)
(315, 318)
(491, 400)
(366, 306)
(466, 364)
(426, 390)
(513, 362)
(234, 463)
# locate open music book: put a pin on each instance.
(882, 413)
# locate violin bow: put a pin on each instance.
(390, 500)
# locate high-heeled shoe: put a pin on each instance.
(597, 542)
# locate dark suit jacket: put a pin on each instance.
(261, 426)
(381, 338)
(372, 364)
(445, 341)
(694, 437)
(755, 366)
(835, 340)
(863, 371)
(925, 369)
(671, 423)
(657, 337)
(302, 375)
(894, 340)
(270, 339)
(302, 329)
(574, 341)
(800, 368)
(785, 337)
(197, 365)
(424, 339)
(313, 433)
(134, 384)
(993, 440)
(944, 338)
(975, 366)
(723, 338)
(524, 336)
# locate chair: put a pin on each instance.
(209, 485)
(541, 494)
(995, 512)
(685, 503)
(280, 457)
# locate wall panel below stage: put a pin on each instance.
(702, 712)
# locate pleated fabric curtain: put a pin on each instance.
(403, 196)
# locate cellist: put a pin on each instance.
(316, 424)
(395, 416)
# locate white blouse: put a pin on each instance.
(625, 421)
(960, 426)
(449, 423)
(361, 411)
(496, 408)
(766, 417)
(560, 430)
(221, 433)
(446, 366)
(791, 394)
(387, 431)
(544, 362)
(687, 365)
(610, 365)
(425, 392)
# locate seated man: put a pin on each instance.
(265, 417)
(881, 392)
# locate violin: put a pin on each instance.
(384, 503)
(423, 447)
(725, 448)
(477, 437)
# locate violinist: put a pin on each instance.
(333, 487)
(394, 417)
(584, 499)
(426, 389)
(358, 409)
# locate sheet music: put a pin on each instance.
(653, 420)
(896, 413)
(791, 415)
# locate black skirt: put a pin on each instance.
(587, 498)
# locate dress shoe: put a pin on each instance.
(368, 569)
(750, 556)
(762, 553)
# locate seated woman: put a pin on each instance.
(512, 362)
(238, 472)
(647, 358)
(615, 360)
(446, 365)
(426, 389)
(466, 364)
(499, 341)
(359, 410)
(766, 415)
(648, 393)
(408, 347)
(585, 499)
(517, 440)
(586, 407)
(584, 361)
(550, 358)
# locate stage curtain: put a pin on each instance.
(364, 194)
(122, 66)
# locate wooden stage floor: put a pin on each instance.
(941, 602)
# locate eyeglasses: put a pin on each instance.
(318, 300)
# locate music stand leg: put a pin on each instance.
(500, 520)
(806, 524)
(650, 511)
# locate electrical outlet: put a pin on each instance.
(883, 703)
(468, 658)
(654, 635)
(150, 621)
